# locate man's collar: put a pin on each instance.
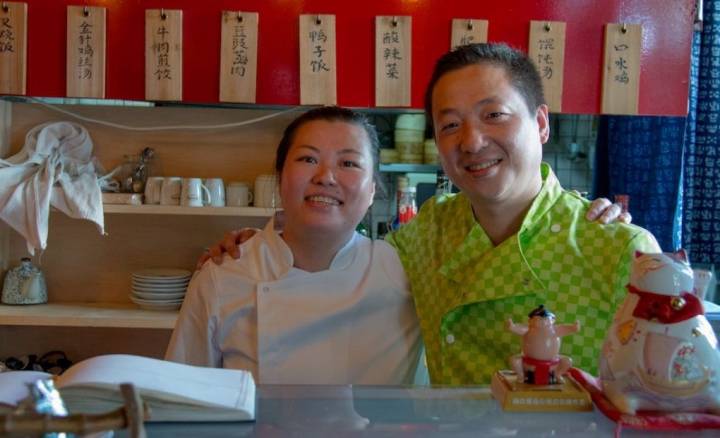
(550, 192)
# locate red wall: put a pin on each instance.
(667, 34)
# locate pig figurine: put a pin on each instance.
(540, 362)
(661, 353)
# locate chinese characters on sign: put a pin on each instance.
(393, 48)
(468, 31)
(239, 51)
(318, 39)
(85, 51)
(7, 36)
(318, 72)
(546, 47)
(544, 59)
(162, 52)
(13, 37)
(621, 69)
(391, 54)
(238, 56)
(620, 64)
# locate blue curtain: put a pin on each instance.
(642, 157)
(670, 166)
(701, 183)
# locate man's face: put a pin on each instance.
(490, 145)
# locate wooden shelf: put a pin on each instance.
(409, 168)
(86, 315)
(196, 211)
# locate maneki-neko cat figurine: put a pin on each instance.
(540, 362)
(661, 353)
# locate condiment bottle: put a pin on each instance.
(443, 186)
(407, 209)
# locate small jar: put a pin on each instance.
(24, 284)
(443, 186)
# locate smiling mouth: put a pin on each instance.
(326, 200)
(482, 166)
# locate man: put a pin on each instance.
(513, 238)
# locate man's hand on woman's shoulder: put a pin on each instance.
(605, 212)
(230, 244)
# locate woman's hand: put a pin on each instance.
(604, 211)
(230, 244)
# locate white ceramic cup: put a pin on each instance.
(267, 191)
(171, 189)
(703, 280)
(194, 193)
(153, 190)
(238, 194)
(216, 187)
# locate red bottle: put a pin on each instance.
(407, 209)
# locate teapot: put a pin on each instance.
(24, 284)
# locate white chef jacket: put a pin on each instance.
(354, 323)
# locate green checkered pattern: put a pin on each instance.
(465, 289)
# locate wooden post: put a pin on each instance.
(133, 411)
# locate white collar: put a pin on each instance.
(282, 254)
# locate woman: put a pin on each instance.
(319, 303)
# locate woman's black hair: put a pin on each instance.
(330, 114)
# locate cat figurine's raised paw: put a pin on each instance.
(661, 353)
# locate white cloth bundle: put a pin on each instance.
(54, 168)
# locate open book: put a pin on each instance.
(174, 392)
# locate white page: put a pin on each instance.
(210, 386)
(13, 385)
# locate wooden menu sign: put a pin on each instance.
(393, 47)
(163, 54)
(468, 31)
(13, 47)
(318, 71)
(85, 55)
(547, 50)
(621, 69)
(238, 56)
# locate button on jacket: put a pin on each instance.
(465, 288)
(354, 323)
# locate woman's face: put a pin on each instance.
(326, 183)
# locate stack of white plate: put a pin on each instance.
(159, 289)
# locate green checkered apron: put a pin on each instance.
(465, 289)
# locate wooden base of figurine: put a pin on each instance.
(514, 395)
